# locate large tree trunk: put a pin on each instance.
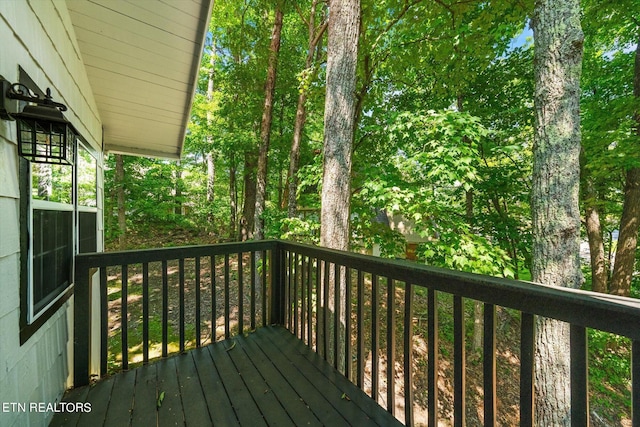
(624, 264)
(122, 219)
(339, 128)
(265, 126)
(556, 181)
(310, 71)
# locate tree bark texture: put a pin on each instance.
(339, 128)
(265, 126)
(344, 20)
(556, 180)
(630, 220)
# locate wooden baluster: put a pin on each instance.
(527, 346)
(408, 354)
(124, 315)
(432, 349)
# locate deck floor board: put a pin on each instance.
(268, 377)
(145, 396)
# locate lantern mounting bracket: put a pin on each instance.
(21, 92)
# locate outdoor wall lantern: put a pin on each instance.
(44, 135)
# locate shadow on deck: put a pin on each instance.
(266, 378)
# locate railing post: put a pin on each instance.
(579, 377)
(277, 285)
(81, 324)
(635, 383)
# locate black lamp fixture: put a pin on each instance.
(44, 135)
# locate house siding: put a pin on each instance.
(37, 36)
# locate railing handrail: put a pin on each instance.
(138, 256)
(610, 313)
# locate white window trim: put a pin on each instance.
(36, 204)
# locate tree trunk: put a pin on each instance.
(310, 71)
(249, 204)
(624, 264)
(211, 166)
(339, 128)
(265, 126)
(598, 258)
(599, 270)
(556, 180)
(628, 238)
(233, 197)
(178, 190)
(122, 220)
(44, 174)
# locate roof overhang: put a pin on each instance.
(142, 60)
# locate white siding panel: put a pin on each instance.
(10, 350)
(9, 288)
(9, 393)
(29, 373)
(8, 167)
(9, 228)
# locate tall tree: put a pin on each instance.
(340, 103)
(339, 128)
(556, 218)
(611, 89)
(310, 70)
(265, 125)
(630, 221)
(211, 165)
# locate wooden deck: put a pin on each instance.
(267, 378)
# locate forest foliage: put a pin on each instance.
(443, 141)
(443, 138)
(444, 130)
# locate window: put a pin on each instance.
(61, 219)
(52, 235)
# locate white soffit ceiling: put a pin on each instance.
(142, 58)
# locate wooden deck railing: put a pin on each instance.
(368, 324)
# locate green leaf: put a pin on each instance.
(160, 399)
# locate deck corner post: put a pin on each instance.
(277, 285)
(81, 324)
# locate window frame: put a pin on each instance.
(31, 319)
